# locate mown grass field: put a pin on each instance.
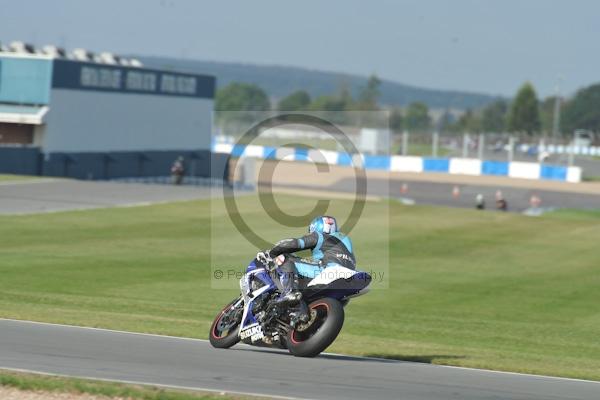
(478, 289)
(49, 384)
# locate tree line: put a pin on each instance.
(525, 113)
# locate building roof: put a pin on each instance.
(19, 114)
(29, 79)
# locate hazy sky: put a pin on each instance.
(481, 46)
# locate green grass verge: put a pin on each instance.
(323, 144)
(573, 213)
(8, 177)
(488, 290)
(420, 149)
(44, 383)
(591, 178)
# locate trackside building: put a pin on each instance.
(92, 120)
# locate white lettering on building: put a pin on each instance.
(100, 77)
(178, 84)
(110, 78)
(144, 81)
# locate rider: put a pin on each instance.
(329, 247)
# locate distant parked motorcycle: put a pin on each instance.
(305, 329)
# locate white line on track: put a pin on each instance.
(330, 354)
(195, 388)
(93, 207)
(28, 181)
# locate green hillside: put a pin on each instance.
(279, 81)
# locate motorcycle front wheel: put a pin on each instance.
(326, 321)
(224, 329)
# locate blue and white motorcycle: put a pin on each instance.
(305, 329)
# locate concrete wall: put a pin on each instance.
(93, 121)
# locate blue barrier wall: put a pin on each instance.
(436, 164)
(238, 150)
(301, 154)
(522, 170)
(553, 172)
(494, 168)
(344, 159)
(270, 153)
(377, 162)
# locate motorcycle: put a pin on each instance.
(306, 328)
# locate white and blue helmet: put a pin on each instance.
(323, 224)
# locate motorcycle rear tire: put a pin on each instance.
(301, 345)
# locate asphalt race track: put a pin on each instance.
(518, 198)
(26, 197)
(189, 363)
(441, 194)
(52, 195)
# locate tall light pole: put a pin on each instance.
(556, 115)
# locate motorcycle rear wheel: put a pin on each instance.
(326, 321)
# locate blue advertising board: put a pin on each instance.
(25, 80)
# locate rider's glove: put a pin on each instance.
(265, 258)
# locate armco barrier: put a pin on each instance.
(461, 166)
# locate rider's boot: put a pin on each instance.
(290, 293)
(300, 314)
